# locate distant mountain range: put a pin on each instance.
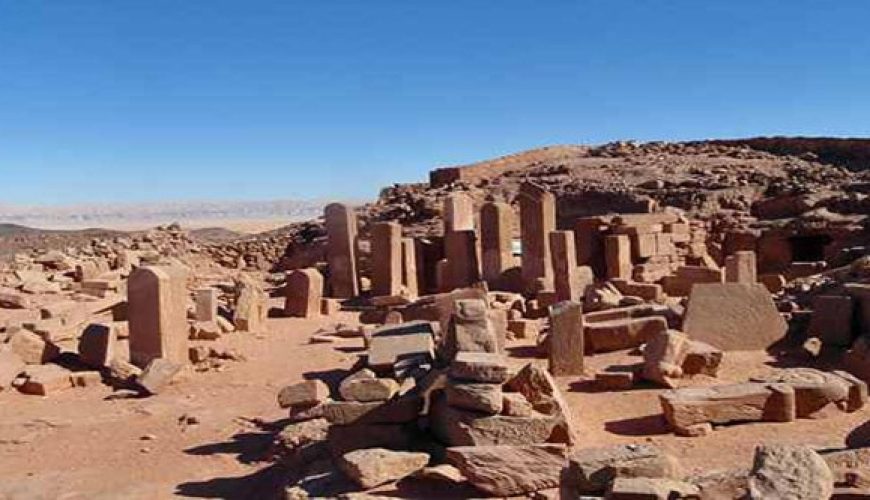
(151, 214)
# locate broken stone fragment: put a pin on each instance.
(376, 466)
(703, 359)
(123, 371)
(663, 358)
(391, 343)
(303, 394)
(505, 471)
(623, 333)
(788, 471)
(614, 381)
(515, 404)
(157, 375)
(815, 389)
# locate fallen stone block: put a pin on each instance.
(515, 404)
(645, 488)
(510, 470)
(303, 394)
(523, 328)
(482, 397)
(458, 427)
(480, 367)
(10, 299)
(366, 389)
(733, 316)
(539, 388)
(592, 470)
(396, 411)
(376, 466)
(815, 390)
(32, 348)
(687, 408)
(345, 438)
(614, 335)
(391, 343)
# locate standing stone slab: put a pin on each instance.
(206, 302)
(97, 345)
(341, 232)
(304, 293)
(386, 248)
(740, 267)
(733, 316)
(617, 256)
(252, 305)
(496, 228)
(157, 313)
(566, 275)
(463, 268)
(537, 221)
(566, 339)
(832, 320)
(458, 213)
(409, 266)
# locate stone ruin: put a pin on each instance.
(436, 396)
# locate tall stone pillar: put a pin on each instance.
(341, 231)
(409, 266)
(740, 267)
(157, 313)
(617, 255)
(386, 246)
(566, 339)
(463, 267)
(458, 213)
(589, 242)
(304, 293)
(565, 281)
(496, 228)
(537, 220)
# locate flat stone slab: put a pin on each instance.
(733, 316)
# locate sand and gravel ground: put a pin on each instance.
(83, 444)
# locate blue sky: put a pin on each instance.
(172, 100)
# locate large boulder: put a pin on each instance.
(793, 472)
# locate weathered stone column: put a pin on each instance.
(566, 339)
(740, 267)
(386, 245)
(564, 256)
(589, 242)
(458, 213)
(206, 304)
(157, 313)
(617, 255)
(304, 293)
(463, 267)
(409, 266)
(537, 220)
(496, 228)
(341, 231)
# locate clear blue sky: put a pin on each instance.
(168, 99)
